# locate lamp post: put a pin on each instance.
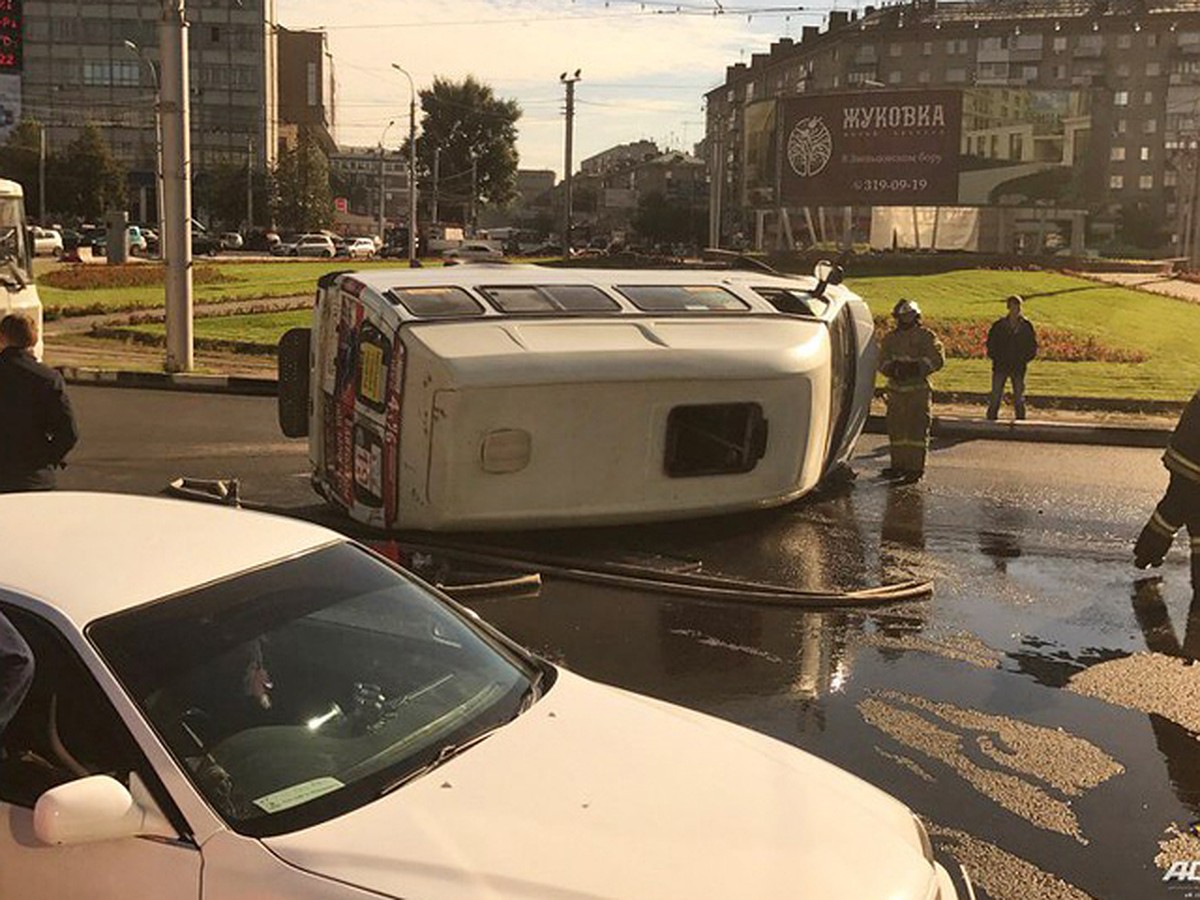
(383, 183)
(412, 167)
(132, 47)
(569, 83)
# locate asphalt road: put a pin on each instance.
(962, 705)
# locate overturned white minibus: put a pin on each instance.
(510, 396)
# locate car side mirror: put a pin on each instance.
(97, 808)
(826, 273)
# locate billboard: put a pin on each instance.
(870, 147)
(984, 146)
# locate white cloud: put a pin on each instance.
(643, 75)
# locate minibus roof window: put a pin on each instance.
(445, 302)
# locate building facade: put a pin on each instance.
(307, 88)
(77, 68)
(1107, 93)
(359, 174)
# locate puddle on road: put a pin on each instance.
(1000, 873)
(908, 763)
(1167, 686)
(707, 640)
(1064, 762)
(960, 647)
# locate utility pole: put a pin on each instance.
(383, 185)
(249, 183)
(437, 163)
(412, 168)
(42, 174)
(474, 192)
(569, 82)
(177, 177)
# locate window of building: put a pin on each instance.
(1153, 69)
(837, 81)
(1029, 73)
(1124, 41)
(895, 50)
(1145, 154)
(311, 83)
(1151, 39)
(1170, 178)
(991, 43)
(1122, 70)
(1060, 73)
(1121, 98)
(1117, 154)
(1148, 97)
(923, 76)
(1116, 182)
(956, 76)
(1146, 182)
(1150, 126)
(214, 35)
(894, 77)
(1120, 126)
(927, 48)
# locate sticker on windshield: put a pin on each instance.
(297, 794)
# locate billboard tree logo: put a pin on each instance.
(809, 147)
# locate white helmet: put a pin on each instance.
(906, 308)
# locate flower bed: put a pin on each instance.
(92, 277)
(968, 340)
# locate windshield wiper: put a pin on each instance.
(444, 755)
(533, 692)
(15, 280)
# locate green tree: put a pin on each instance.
(303, 198)
(227, 195)
(466, 123)
(93, 181)
(661, 220)
(19, 160)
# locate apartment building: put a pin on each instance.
(1102, 98)
(358, 174)
(76, 67)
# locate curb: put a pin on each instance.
(1028, 431)
(163, 381)
(1051, 401)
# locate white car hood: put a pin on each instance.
(595, 792)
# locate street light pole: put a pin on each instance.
(383, 183)
(177, 170)
(158, 143)
(412, 167)
(569, 82)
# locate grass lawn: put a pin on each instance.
(1166, 330)
(249, 281)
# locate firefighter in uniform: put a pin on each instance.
(1180, 505)
(910, 353)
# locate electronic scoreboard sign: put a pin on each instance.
(10, 36)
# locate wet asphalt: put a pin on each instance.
(958, 705)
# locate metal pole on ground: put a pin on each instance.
(569, 82)
(133, 47)
(412, 167)
(383, 184)
(177, 171)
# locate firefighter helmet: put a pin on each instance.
(906, 308)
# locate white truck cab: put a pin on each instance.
(17, 290)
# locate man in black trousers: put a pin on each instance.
(37, 427)
(1011, 345)
(16, 671)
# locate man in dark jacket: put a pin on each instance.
(37, 428)
(1011, 344)
(1180, 505)
(16, 671)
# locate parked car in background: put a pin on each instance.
(231, 240)
(314, 245)
(361, 248)
(259, 707)
(205, 243)
(261, 241)
(473, 251)
(46, 242)
(137, 240)
(153, 242)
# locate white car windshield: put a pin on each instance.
(14, 250)
(297, 692)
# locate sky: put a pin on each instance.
(645, 67)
